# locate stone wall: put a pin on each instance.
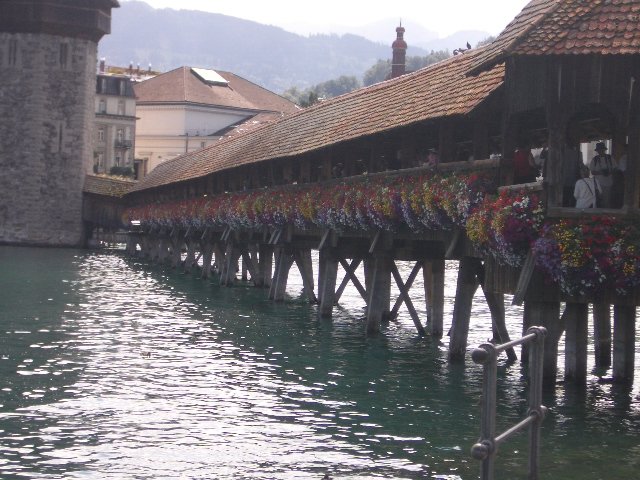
(46, 116)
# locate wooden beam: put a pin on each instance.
(350, 273)
(404, 294)
(400, 300)
(345, 281)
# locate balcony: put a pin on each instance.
(123, 144)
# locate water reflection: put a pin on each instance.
(112, 367)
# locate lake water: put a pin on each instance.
(111, 368)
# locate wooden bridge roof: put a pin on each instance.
(440, 90)
(106, 186)
(567, 27)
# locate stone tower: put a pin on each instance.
(399, 46)
(48, 56)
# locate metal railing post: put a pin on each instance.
(486, 448)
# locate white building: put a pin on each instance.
(190, 108)
(115, 124)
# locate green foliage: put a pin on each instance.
(382, 68)
(329, 89)
(486, 41)
(377, 73)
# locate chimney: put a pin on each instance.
(399, 46)
(138, 70)
(102, 65)
(130, 69)
(149, 69)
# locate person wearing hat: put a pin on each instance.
(601, 167)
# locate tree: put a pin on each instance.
(486, 41)
(382, 69)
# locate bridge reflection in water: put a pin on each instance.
(113, 368)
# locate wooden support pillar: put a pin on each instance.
(176, 251)
(546, 314)
(207, 254)
(379, 304)
(465, 290)
(575, 351)
(305, 265)
(265, 265)
(245, 270)
(218, 264)
(162, 250)
(480, 138)
(131, 245)
(433, 275)
(283, 265)
(328, 272)
(190, 259)
(624, 342)
(446, 135)
(249, 268)
(602, 334)
(230, 265)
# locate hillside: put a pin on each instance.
(266, 55)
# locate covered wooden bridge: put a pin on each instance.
(352, 178)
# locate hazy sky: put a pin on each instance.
(441, 16)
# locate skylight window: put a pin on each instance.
(210, 76)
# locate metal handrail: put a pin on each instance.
(487, 447)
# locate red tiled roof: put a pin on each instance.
(107, 186)
(599, 27)
(560, 27)
(182, 85)
(440, 90)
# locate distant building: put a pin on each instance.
(399, 59)
(187, 109)
(115, 124)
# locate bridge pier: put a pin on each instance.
(190, 260)
(602, 334)
(433, 277)
(327, 276)
(378, 306)
(575, 351)
(465, 290)
(624, 337)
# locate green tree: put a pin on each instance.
(382, 69)
(486, 41)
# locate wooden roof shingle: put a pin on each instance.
(440, 90)
(567, 27)
(106, 186)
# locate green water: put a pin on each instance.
(111, 368)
